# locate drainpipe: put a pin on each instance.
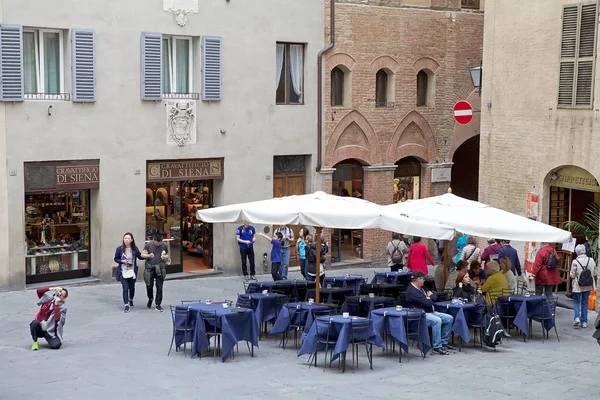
(320, 85)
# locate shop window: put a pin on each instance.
(289, 73)
(57, 226)
(43, 62)
(177, 68)
(347, 181)
(407, 180)
(470, 4)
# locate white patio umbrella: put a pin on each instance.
(323, 210)
(479, 219)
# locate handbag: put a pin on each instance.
(128, 273)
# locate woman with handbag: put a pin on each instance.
(126, 257)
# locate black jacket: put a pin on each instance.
(465, 292)
(417, 299)
(311, 258)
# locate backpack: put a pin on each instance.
(586, 278)
(552, 261)
(397, 256)
(493, 333)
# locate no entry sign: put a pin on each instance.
(463, 112)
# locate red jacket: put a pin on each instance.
(543, 275)
(417, 258)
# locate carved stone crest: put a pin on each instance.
(180, 16)
(181, 122)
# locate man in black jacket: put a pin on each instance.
(441, 324)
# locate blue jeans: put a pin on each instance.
(441, 327)
(303, 264)
(580, 306)
(285, 262)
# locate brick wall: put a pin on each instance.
(387, 34)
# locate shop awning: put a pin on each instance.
(478, 219)
(320, 209)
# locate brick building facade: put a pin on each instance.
(391, 81)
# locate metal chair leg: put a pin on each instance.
(170, 347)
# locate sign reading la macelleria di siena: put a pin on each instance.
(179, 170)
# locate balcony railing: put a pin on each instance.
(183, 96)
(48, 96)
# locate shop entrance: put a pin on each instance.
(407, 180)
(171, 210)
(348, 180)
(465, 170)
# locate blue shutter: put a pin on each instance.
(11, 63)
(83, 65)
(211, 68)
(151, 66)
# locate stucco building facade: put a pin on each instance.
(129, 116)
(392, 78)
(540, 120)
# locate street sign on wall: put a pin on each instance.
(463, 112)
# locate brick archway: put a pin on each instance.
(367, 153)
(340, 59)
(426, 63)
(425, 151)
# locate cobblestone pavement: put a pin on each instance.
(111, 355)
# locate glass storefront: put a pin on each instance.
(171, 209)
(407, 180)
(57, 229)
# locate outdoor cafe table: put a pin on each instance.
(265, 306)
(303, 316)
(258, 287)
(393, 322)
(366, 303)
(399, 277)
(353, 282)
(524, 307)
(341, 333)
(329, 295)
(463, 314)
(235, 327)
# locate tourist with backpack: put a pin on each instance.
(396, 251)
(583, 271)
(545, 271)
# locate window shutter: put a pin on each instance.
(211, 68)
(587, 34)
(585, 78)
(569, 31)
(83, 65)
(151, 66)
(565, 84)
(11, 63)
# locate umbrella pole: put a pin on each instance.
(445, 264)
(318, 266)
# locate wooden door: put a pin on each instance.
(288, 185)
(559, 206)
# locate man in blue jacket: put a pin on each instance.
(506, 250)
(440, 323)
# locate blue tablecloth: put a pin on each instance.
(394, 323)
(265, 306)
(258, 287)
(330, 295)
(391, 277)
(235, 327)
(353, 282)
(341, 332)
(303, 317)
(463, 315)
(526, 307)
(366, 304)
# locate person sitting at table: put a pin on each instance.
(495, 284)
(275, 253)
(506, 269)
(440, 324)
(463, 288)
(453, 274)
(477, 274)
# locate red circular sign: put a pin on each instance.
(463, 112)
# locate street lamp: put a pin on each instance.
(476, 77)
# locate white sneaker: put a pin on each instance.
(576, 322)
(584, 325)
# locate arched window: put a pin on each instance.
(381, 88)
(337, 87)
(422, 88)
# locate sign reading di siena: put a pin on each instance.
(179, 170)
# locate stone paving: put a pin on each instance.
(111, 355)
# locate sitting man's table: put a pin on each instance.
(393, 322)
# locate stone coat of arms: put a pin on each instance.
(181, 122)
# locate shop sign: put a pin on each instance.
(62, 175)
(182, 170)
(572, 177)
(441, 175)
(408, 168)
